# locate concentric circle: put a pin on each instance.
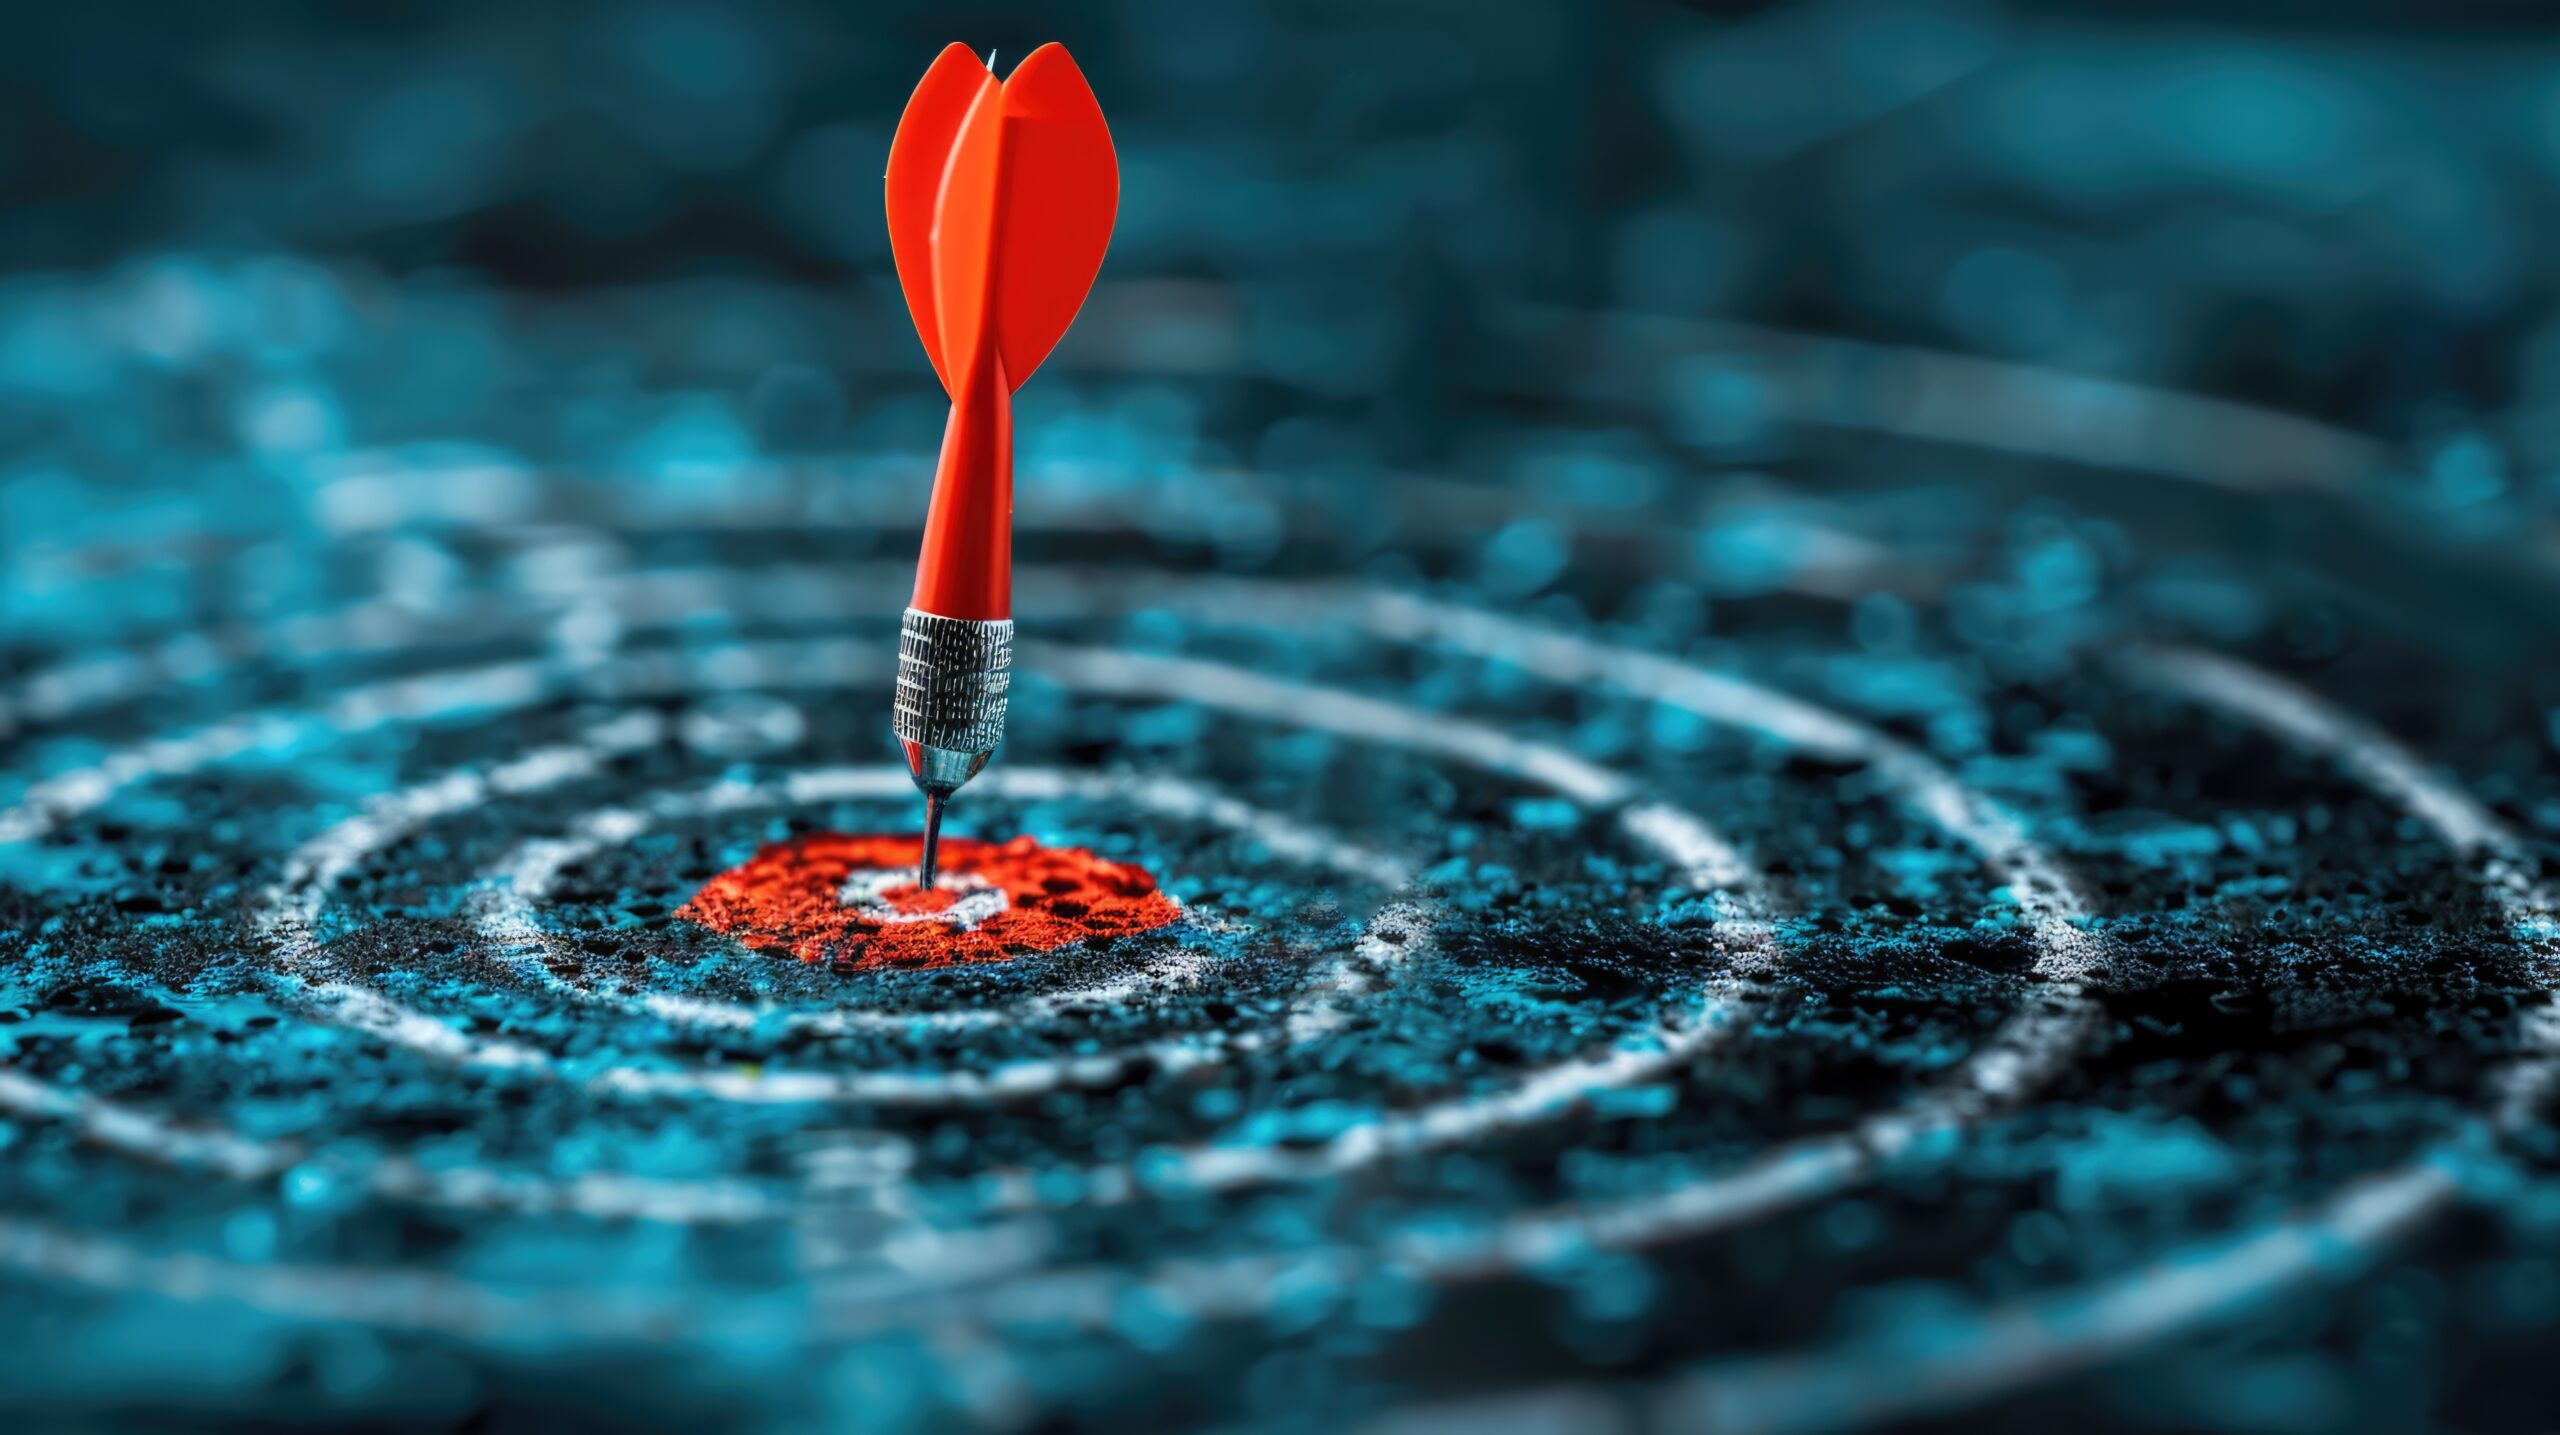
(1420, 977)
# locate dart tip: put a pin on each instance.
(932, 836)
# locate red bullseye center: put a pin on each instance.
(853, 900)
(914, 900)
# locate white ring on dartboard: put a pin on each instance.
(144, 1135)
(1706, 861)
(2019, 1058)
(1780, 728)
(2024, 1051)
(521, 882)
(117, 1256)
(1816, 1167)
(1785, 727)
(1975, 1354)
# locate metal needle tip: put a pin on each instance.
(932, 836)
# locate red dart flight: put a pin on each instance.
(1000, 198)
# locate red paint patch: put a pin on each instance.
(852, 900)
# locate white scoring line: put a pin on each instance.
(2010, 1063)
(2506, 867)
(50, 803)
(1683, 839)
(391, 1298)
(522, 880)
(148, 1136)
(2018, 1057)
(2212, 1283)
(2054, 1020)
(295, 902)
(2042, 894)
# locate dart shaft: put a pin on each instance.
(965, 568)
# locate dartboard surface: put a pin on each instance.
(1755, 882)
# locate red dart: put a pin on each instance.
(1000, 196)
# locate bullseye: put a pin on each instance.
(853, 901)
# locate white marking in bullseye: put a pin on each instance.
(978, 901)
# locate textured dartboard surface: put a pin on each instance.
(1985, 942)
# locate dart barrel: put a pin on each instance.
(953, 674)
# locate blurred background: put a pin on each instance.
(1906, 356)
(276, 267)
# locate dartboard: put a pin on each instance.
(1438, 953)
